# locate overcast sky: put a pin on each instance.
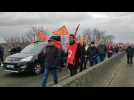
(120, 24)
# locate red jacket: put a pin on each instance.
(110, 48)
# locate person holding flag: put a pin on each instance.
(73, 55)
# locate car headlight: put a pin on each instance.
(26, 59)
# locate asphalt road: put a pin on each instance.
(8, 79)
(122, 76)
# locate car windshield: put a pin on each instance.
(34, 48)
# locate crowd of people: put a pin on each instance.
(76, 58)
(78, 55)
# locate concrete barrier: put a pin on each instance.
(98, 75)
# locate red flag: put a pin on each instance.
(41, 36)
(61, 31)
(76, 31)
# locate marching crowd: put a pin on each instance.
(76, 58)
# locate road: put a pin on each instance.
(122, 76)
(8, 79)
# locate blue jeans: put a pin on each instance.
(102, 57)
(93, 61)
(45, 76)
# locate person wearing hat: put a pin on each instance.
(52, 56)
(92, 53)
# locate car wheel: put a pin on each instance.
(37, 69)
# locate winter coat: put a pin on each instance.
(130, 51)
(52, 57)
(101, 49)
(92, 52)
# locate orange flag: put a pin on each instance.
(41, 36)
(61, 31)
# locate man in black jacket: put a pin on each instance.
(130, 53)
(102, 51)
(1, 55)
(52, 57)
(82, 56)
(93, 54)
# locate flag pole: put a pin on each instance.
(76, 31)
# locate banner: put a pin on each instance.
(41, 36)
(61, 31)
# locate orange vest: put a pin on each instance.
(71, 53)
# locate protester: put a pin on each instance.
(86, 54)
(73, 55)
(82, 56)
(130, 54)
(102, 51)
(93, 53)
(109, 50)
(116, 48)
(58, 44)
(1, 54)
(52, 57)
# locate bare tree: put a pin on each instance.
(97, 34)
(108, 38)
(31, 34)
(87, 33)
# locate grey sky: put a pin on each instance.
(120, 24)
